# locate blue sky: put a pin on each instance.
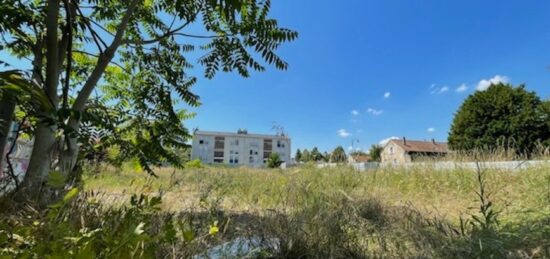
(351, 53)
(369, 70)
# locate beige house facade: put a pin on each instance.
(401, 151)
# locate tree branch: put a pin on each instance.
(97, 56)
(164, 35)
(70, 11)
(104, 60)
(94, 34)
(156, 39)
(52, 58)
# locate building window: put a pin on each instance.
(251, 151)
(268, 144)
(391, 150)
(219, 142)
(218, 154)
(201, 141)
(236, 160)
(218, 160)
(250, 160)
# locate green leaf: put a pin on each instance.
(71, 195)
(188, 235)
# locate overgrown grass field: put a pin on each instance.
(300, 212)
(397, 197)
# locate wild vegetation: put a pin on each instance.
(299, 212)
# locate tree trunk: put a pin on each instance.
(7, 108)
(69, 155)
(40, 163)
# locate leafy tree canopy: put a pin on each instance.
(375, 152)
(338, 155)
(502, 116)
(298, 156)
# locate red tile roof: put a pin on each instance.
(422, 146)
(361, 158)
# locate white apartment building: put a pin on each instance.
(239, 148)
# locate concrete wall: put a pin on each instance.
(449, 165)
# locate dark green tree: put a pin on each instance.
(546, 109)
(502, 116)
(338, 155)
(375, 152)
(134, 52)
(306, 157)
(298, 156)
(326, 157)
(315, 155)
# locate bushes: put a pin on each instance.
(274, 160)
(82, 228)
(196, 163)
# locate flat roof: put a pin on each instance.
(233, 134)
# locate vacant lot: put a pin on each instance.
(338, 212)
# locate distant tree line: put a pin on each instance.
(338, 155)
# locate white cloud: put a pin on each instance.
(461, 88)
(431, 129)
(485, 83)
(438, 90)
(355, 112)
(374, 111)
(350, 148)
(386, 140)
(343, 133)
(387, 95)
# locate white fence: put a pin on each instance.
(446, 165)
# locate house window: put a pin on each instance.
(201, 141)
(391, 150)
(236, 160)
(250, 160)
